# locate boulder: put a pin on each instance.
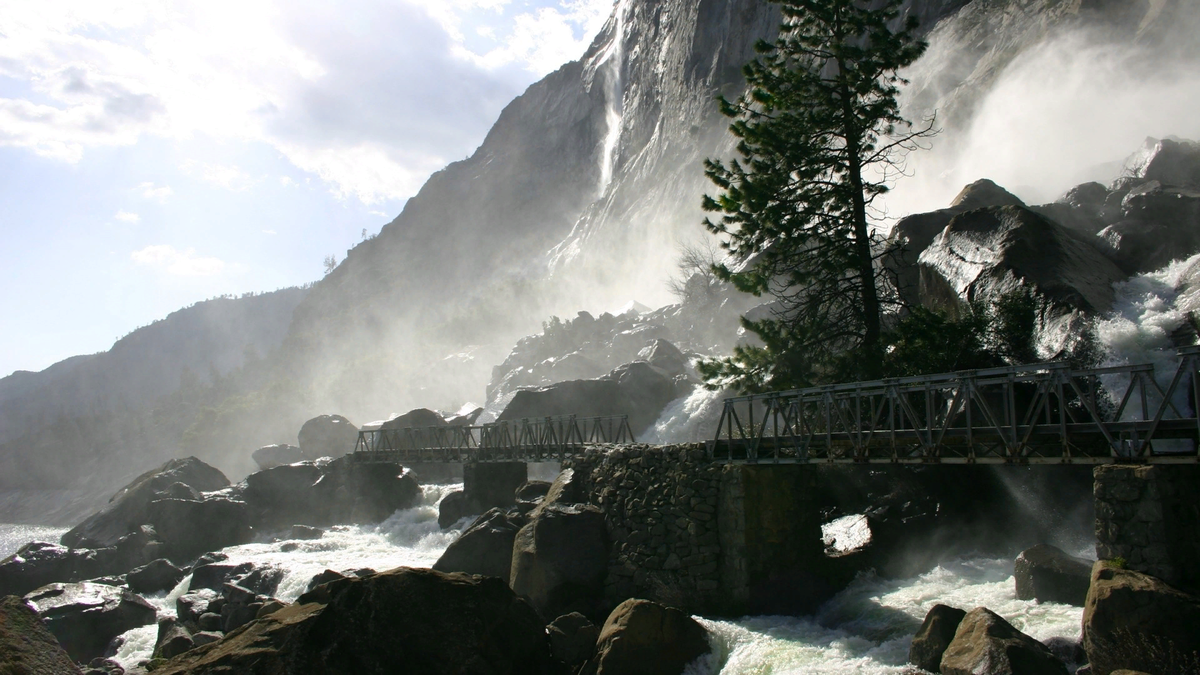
(986, 253)
(666, 357)
(573, 638)
(934, 636)
(568, 488)
(269, 456)
(39, 563)
(641, 637)
(173, 638)
(533, 491)
(155, 576)
(26, 646)
(306, 533)
(421, 418)
(560, 559)
(984, 193)
(190, 606)
(85, 617)
(986, 644)
(1047, 574)
(1171, 161)
(126, 511)
(1160, 224)
(1137, 622)
(465, 417)
(403, 620)
(634, 389)
(486, 547)
(189, 528)
(327, 436)
(205, 637)
(453, 508)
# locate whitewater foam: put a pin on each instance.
(688, 419)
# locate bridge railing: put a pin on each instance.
(531, 439)
(1040, 413)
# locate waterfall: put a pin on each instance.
(613, 61)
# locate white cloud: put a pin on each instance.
(154, 193)
(404, 87)
(225, 176)
(168, 259)
(127, 217)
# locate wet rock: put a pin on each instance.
(1047, 574)
(453, 508)
(206, 637)
(26, 646)
(573, 638)
(304, 532)
(213, 575)
(492, 484)
(157, 575)
(85, 617)
(403, 620)
(934, 636)
(568, 488)
(986, 644)
(127, 510)
(323, 578)
(270, 607)
(1160, 224)
(421, 418)
(560, 559)
(173, 639)
(188, 528)
(100, 666)
(666, 357)
(191, 606)
(486, 547)
(986, 253)
(1137, 622)
(261, 580)
(39, 563)
(327, 436)
(1171, 161)
(270, 456)
(210, 621)
(641, 637)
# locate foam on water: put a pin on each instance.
(13, 537)
(868, 627)
(688, 419)
(408, 538)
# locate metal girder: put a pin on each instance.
(1040, 413)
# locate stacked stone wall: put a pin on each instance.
(1150, 517)
(660, 505)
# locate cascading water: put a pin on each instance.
(409, 538)
(688, 419)
(613, 61)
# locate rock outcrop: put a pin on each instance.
(1135, 621)
(986, 644)
(403, 620)
(127, 510)
(189, 527)
(39, 563)
(85, 617)
(1047, 574)
(154, 576)
(641, 637)
(26, 646)
(270, 456)
(934, 636)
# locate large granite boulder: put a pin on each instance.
(1161, 223)
(173, 638)
(327, 436)
(86, 616)
(1135, 621)
(986, 253)
(560, 559)
(1171, 161)
(189, 527)
(986, 644)
(453, 508)
(126, 511)
(327, 493)
(635, 389)
(641, 637)
(1047, 574)
(573, 638)
(421, 418)
(405, 620)
(934, 636)
(486, 547)
(26, 646)
(154, 576)
(270, 456)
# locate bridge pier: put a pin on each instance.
(492, 484)
(772, 554)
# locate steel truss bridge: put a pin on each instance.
(1046, 413)
(528, 440)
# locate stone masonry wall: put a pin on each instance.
(1150, 516)
(660, 505)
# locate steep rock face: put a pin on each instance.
(25, 644)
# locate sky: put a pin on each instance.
(154, 153)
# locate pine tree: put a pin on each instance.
(820, 137)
